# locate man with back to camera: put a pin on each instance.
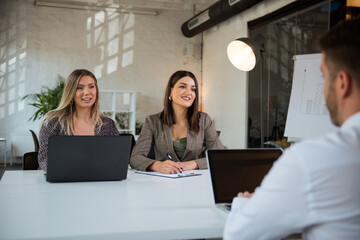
(314, 188)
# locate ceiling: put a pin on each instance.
(151, 6)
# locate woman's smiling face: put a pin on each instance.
(184, 92)
(85, 95)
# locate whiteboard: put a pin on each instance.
(308, 115)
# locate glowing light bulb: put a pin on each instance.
(248, 50)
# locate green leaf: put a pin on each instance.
(46, 100)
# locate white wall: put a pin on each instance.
(125, 52)
(224, 87)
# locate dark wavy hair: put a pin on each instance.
(167, 116)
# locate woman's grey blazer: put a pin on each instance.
(156, 133)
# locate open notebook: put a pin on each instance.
(174, 175)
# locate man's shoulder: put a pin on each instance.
(335, 148)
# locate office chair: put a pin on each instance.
(36, 141)
(132, 140)
(30, 159)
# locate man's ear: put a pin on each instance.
(344, 84)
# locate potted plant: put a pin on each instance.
(47, 100)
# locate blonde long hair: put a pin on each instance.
(66, 109)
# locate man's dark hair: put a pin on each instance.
(341, 46)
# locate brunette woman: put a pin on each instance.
(179, 134)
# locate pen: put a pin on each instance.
(169, 156)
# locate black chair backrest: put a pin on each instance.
(36, 141)
(132, 140)
(151, 153)
(30, 161)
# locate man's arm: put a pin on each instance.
(277, 208)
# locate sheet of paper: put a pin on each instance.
(308, 115)
(175, 175)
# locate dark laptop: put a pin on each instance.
(238, 170)
(88, 158)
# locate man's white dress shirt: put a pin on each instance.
(314, 188)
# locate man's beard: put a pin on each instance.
(332, 105)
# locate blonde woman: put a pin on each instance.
(77, 114)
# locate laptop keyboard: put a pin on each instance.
(227, 206)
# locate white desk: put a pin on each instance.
(140, 207)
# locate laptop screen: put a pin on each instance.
(238, 170)
(88, 158)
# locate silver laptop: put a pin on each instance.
(88, 158)
(238, 170)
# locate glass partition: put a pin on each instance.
(286, 36)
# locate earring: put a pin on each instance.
(170, 98)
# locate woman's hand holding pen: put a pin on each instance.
(169, 166)
(166, 166)
(189, 165)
